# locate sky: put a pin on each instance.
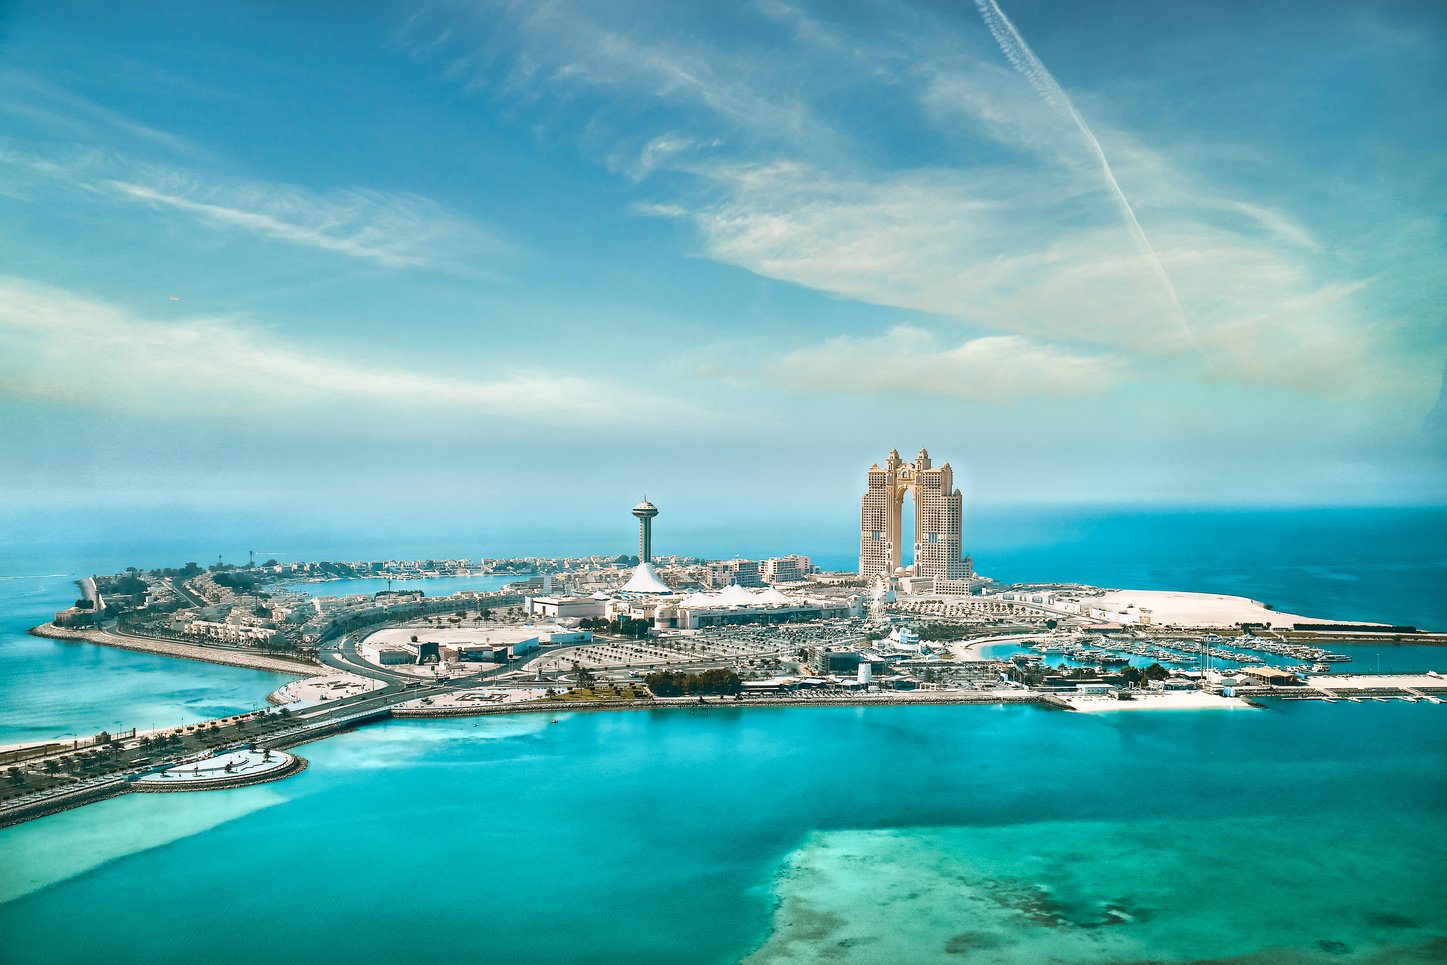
(395, 263)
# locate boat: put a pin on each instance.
(1337, 657)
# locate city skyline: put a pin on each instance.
(1084, 249)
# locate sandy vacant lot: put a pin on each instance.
(1173, 608)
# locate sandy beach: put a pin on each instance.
(1181, 609)
(1146, 700)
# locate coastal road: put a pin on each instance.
(185, 593)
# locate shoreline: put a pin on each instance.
(184, 651)
(937, 699)
(323, 730)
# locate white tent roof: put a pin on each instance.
(734, 595)
(645, 579)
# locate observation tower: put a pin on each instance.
(645, 578)
(645, 511)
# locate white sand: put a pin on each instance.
(1145, 700)
(314, 690)
(488, 697)
(1180, 609)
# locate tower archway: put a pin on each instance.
(932, 543)
(908, 510)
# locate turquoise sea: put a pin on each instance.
(1299, 832)
(431, 586)
(51, 689)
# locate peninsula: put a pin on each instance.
(553, 635)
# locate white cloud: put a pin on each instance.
(63, 349)
(907, 360)
(967, 245)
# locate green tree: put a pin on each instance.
(676, 683)
(583, 675)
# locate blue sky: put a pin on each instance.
(379, 260)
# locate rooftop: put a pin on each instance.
(645, 579)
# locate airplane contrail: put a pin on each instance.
(1023, 59)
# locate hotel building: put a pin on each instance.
(938, 510)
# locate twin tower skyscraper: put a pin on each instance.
(938, 513)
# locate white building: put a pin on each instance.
(735, 605)
(569, 607)
(786, 569)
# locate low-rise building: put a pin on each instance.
(837, 661)
(1271, 676)
(569, 607)
(786, 569)
(393, 656)
(222, 632)
(75, 617)
(734, 573)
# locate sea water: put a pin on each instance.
(1303, 832)
(1300, 832)
(55, 689)
(428, 585)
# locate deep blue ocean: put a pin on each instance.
(1299, 832)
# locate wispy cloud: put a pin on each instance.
(395, 230)
(65, 114)
(908, 360)
(63, 349)
(960, 190)
(392, 230)
(1024, 60)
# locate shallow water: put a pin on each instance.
(55, 689)
(655, 836)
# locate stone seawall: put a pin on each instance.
(571, 706)
(185, 651)
(54, 804)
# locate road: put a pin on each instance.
(185, 592)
